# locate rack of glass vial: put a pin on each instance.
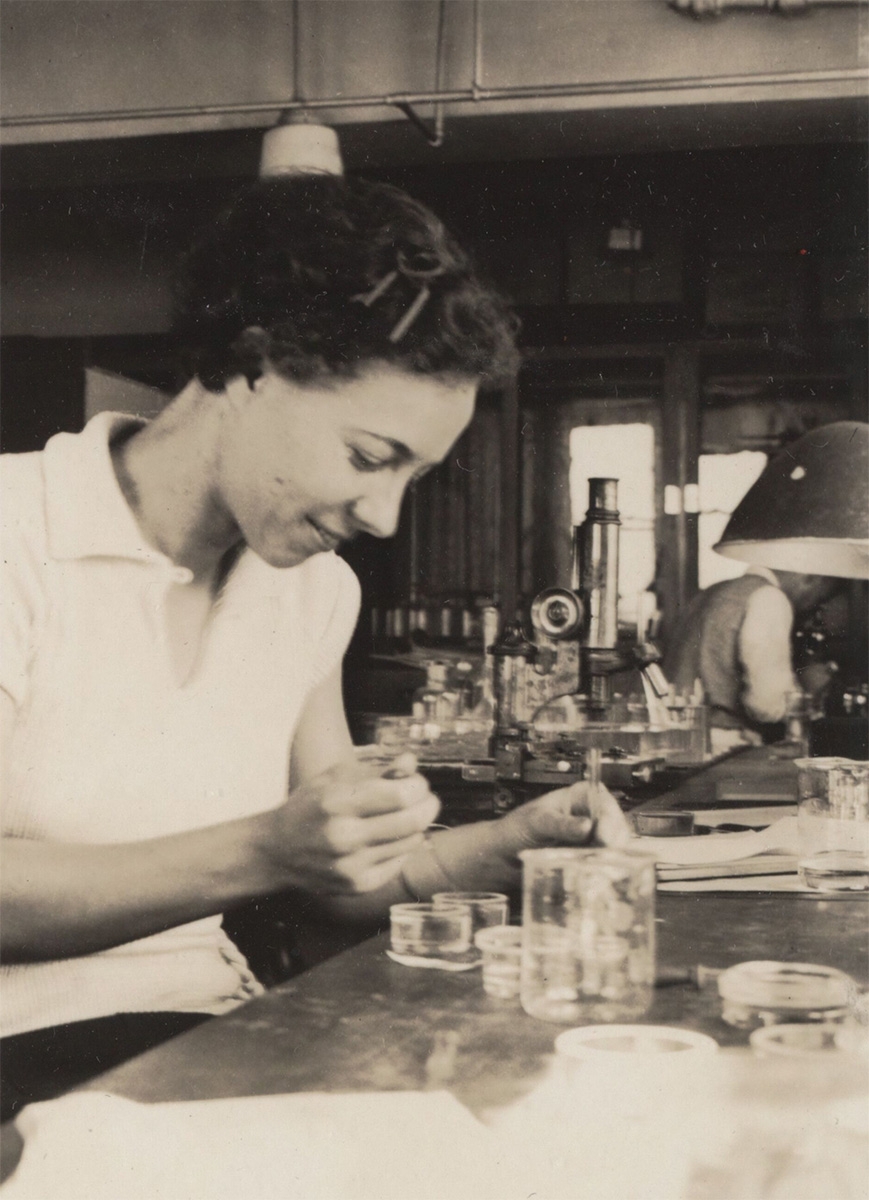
(453, 621)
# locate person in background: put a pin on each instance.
(735, 637)
(175, 616)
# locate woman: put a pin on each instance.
(175, 619)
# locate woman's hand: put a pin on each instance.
(347, 829)
(344, 831)
(483, 856)
(582, 814)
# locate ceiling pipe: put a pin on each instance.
(785, 8)
(433, 137)
(477, 80)
(453, 96)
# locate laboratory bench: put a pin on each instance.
(361, 1022)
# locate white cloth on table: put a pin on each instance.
(363, 1146)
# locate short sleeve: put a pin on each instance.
(22, 565)
(765, 652)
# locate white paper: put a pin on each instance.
(305, 1146)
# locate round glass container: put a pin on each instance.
(760, 993)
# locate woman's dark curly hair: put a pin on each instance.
(280, 276)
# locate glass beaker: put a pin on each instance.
(833, 823)
(588, 934)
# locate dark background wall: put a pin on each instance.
(750, 281)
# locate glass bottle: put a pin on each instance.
(467, 623)
(490, 627)
(465, 687)
(447, 617)
(511, 655)
(435, 704)
(418, 624)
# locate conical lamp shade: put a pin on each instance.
(809, 510)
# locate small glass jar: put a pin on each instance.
(465, 687)
(629, 1069)
(754, 994)
(424, 930)
(486, 908)
(501, 950)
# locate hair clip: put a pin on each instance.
(368, 298)
(421, 275)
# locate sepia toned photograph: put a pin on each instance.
(434, 577)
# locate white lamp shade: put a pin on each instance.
(300, 149)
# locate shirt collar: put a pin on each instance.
(764, 573)
(86, 512)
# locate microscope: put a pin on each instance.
(557, 717)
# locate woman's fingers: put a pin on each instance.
(345, 834)
(611, 827)
(371, 866)
(381, 795)
(611, 824)
(366, 874)
(572, 816)
(553, 828)
(366, 786)
(546, 821)
(349, 821)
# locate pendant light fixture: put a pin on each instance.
(298, 145)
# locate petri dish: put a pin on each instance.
(764, 992)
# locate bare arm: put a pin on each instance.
(322, 737)
(62, 900)
(483, 856)
(338, 831)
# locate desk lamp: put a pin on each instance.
(808, 511)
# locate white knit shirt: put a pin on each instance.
(108, 746)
